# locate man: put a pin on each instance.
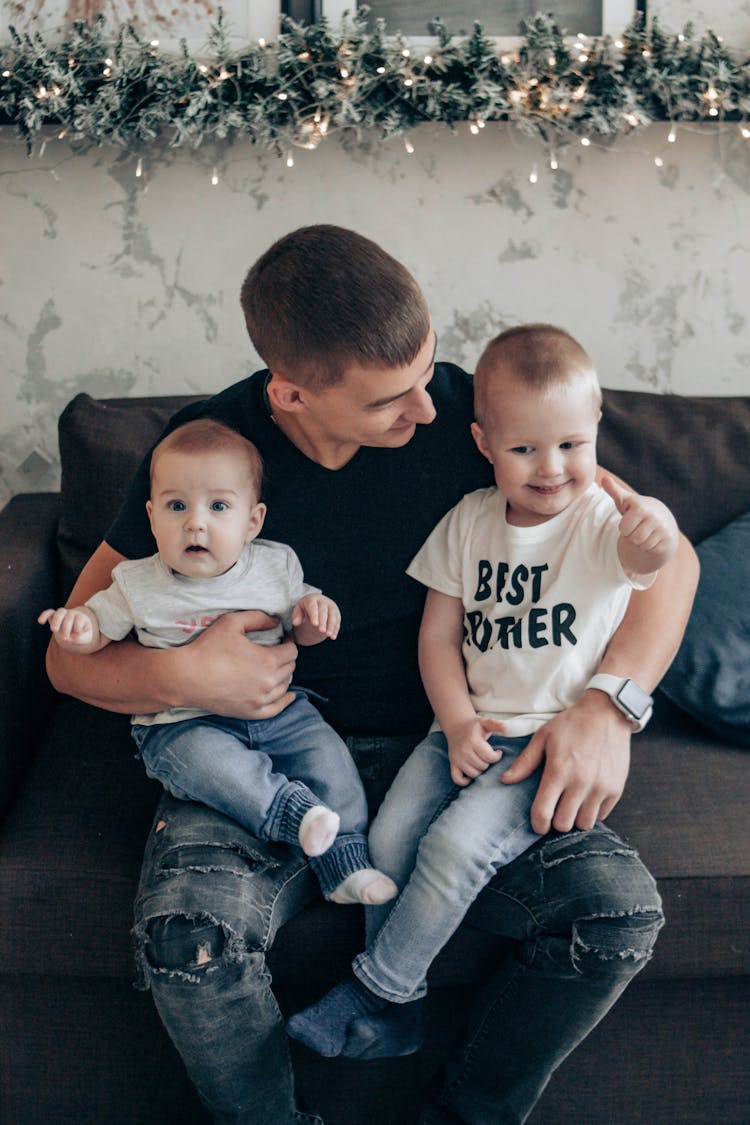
(366, 443)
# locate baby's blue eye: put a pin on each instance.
(521, 449)
(218, 506)
(176, 505)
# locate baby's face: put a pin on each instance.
(203, 509)
(542, 447)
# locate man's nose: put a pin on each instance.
(420, 407)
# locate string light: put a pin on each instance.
(658, 162)
(408, 146)
(289, 160)
(553, 162)
(533, 175)
(214, 177)
(672, 135)
(585, 141)
(139, 168)
(745, 131)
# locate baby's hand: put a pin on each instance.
(648, 530)
(469, 751)
(315, 613)
(72, 628)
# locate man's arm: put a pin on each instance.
(221, 671)
(586, 749)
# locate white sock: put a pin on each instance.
(318, 830)
(368, 886)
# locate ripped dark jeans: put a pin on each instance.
(582, 909)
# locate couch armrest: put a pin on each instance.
(28, 583)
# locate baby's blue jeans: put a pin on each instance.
(264, 773)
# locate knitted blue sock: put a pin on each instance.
(323, 1026)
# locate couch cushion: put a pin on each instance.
(710, 677)
(102, 442)
(689, 451)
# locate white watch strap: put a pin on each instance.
(610, 685)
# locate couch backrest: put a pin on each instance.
(102, 442)
(693, 453)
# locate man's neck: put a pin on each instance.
(324, 451)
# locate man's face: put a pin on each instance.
(376, 406)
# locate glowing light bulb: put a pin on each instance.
(214, 177)
(533, 175)
(290, 160)
(553, 162)
(672, 135)
(658, 162)
(139, 168)
(585, 142)
(408, 146)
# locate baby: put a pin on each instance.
(288, 778)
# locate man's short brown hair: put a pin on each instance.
(206, 435)
(324, 298)
(540, 356)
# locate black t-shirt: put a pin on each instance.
(355, 530)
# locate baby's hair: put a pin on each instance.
(540, 356)
(206, 435)
(323, 299)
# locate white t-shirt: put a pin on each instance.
(540, 603)
(168, 609)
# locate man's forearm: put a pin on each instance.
(123, 677)
(649, 635)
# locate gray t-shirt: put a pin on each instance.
(168, 609)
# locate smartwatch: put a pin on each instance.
(627, 697)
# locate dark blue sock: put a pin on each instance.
(393, 1031)
(323, 1026)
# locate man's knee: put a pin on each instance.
(610, 898)
(183, 946)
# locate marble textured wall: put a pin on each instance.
(123, 285)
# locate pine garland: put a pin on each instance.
(99, 86)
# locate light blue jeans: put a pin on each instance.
(266, 774)
(441, 843)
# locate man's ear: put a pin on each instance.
(478, 434)
(283, 394)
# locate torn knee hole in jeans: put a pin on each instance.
(626, 936)
(185, 948)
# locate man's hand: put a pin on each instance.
(586, 756)
(227, 674)
(469, 751)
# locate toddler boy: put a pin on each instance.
(527, 581)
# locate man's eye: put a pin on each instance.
(176, 506)
(218, 506)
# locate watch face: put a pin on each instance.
(634, 699)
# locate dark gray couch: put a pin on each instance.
(78, 1044)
